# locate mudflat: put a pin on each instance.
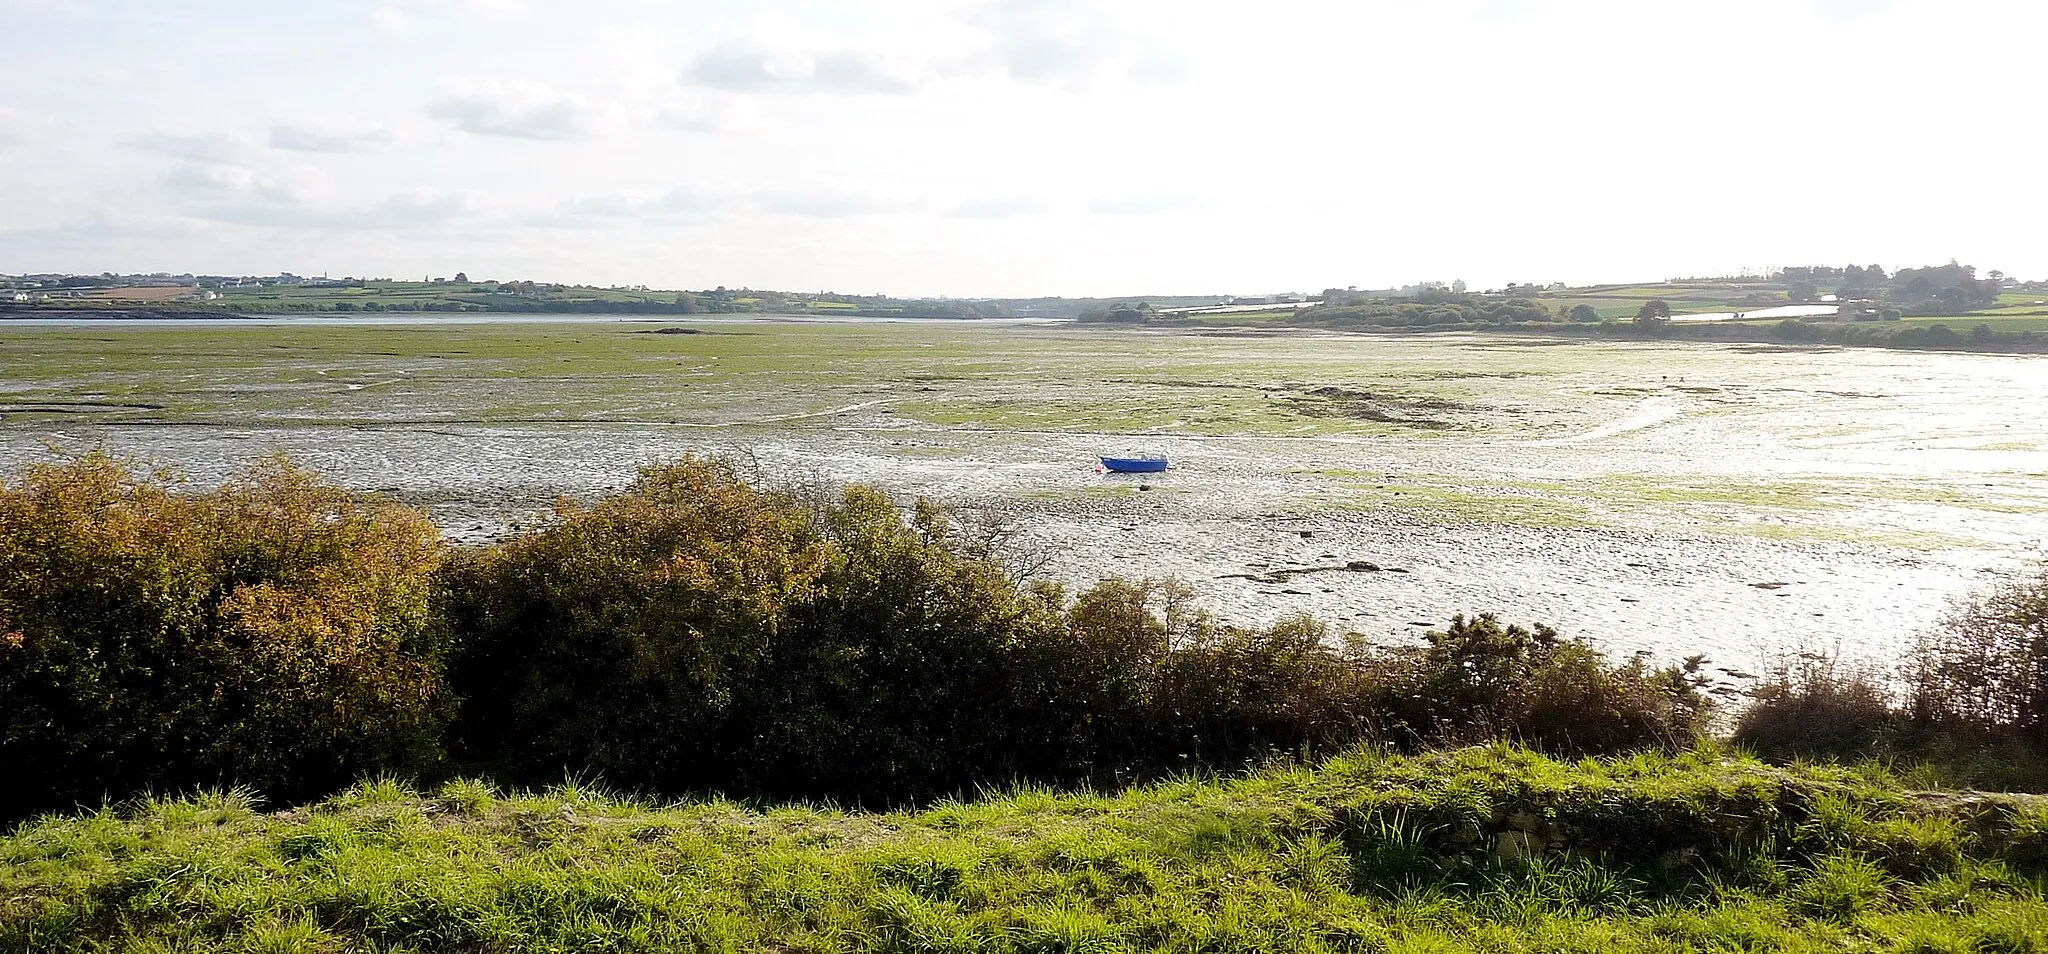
(1673, 498)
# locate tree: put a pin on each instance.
(1803, 290)
(1655, 313)
(1585, 312)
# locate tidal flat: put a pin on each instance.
(1670, 498)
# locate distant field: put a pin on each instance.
(1999, 321)
(142, 294)
(1623, 301)
(421, 295)
(415, 293)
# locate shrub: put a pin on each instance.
(1986, 667)
(614, 640)
(697, 631)
(1482, 680)
(1227, 696)
(904, 672)
(1815, 705)
(274, 632)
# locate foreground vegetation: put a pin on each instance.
(1215, 788)
(1492, 849)
(697, 632)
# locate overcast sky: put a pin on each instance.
(1013, 147)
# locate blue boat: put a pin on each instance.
(1147, 464)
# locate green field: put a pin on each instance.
(1623, 301)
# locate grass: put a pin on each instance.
(1483, 849)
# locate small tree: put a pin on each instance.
(1584, 312)
(1655, 313)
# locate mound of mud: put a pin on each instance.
(1406, 410)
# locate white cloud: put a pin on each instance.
(408, 19)
(29, 7)
(300, 196)
(195, 147)
(1070, 43)
(1043, 42)
(696, 203)
(16, 127)
(831, 202)
(751, 66)
(317, 138)
(521, 110)
(999, 207)
(297, 185)
(1143, 203)
(405, 210)
(392, 21)
(708, 116)
(671, 206)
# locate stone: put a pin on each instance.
(1515, 846)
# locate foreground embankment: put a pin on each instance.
(1479, 849)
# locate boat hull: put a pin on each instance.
(1134, 465)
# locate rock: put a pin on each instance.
(1305, 534)
(1524, 821)
(1360, 566)
(1515, 846)
(1679, 857)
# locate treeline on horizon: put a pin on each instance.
(702, 631)
(1936, 290)
(1461, 311)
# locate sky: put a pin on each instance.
(1021, 147)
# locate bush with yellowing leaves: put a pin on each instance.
(275, 632)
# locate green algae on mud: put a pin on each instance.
(1888, 479)
(1492, 848)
